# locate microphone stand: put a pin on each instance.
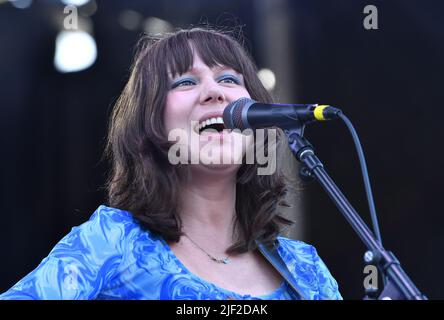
(398, 285)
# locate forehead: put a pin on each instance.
(183, 54)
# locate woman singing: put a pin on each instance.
(183, 230)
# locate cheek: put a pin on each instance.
(242, 92)
(176, 112)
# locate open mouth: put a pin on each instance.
(215, 124)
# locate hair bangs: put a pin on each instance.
(179, 55)
(214, 50)
(217, 50)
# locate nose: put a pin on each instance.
(212, 93)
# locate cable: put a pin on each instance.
(368, 189)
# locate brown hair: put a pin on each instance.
(142, 181)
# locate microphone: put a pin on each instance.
(246, 113)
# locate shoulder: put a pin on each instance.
(110, 214)
(112, 218)
(295, 248)
(304, 262)
(107, 227)
(299, 252)
(111, 221)
(119, 229)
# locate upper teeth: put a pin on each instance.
(209, 121)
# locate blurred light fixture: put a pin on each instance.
(130, 19)
(89, 9)
(153, 25)
(76, 3)
(21, 4)
(75, 51)
(267, 78)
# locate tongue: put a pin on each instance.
(215, 127)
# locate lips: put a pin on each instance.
(212, 123)
(211, 120)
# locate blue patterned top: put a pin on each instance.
(112, 257)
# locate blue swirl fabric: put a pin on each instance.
(111, 257)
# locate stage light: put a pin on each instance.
(267, 78)
(153, 25)
(75, 51)
(89, 9)
(76, 3)
(21, 4)
(130, 19)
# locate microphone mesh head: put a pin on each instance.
(233, 113)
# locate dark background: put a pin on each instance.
(388, 81)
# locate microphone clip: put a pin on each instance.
(303, 150)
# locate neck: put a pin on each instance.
(208, 207)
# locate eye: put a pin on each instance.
(229, 79)
(183, 83)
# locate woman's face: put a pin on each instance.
(199, 95)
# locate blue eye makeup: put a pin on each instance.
(183, 82)
(229, 77)
(189, 81)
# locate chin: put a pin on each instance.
(225, 169)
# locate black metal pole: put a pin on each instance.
(400, 285)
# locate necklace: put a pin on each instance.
(225, 260)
